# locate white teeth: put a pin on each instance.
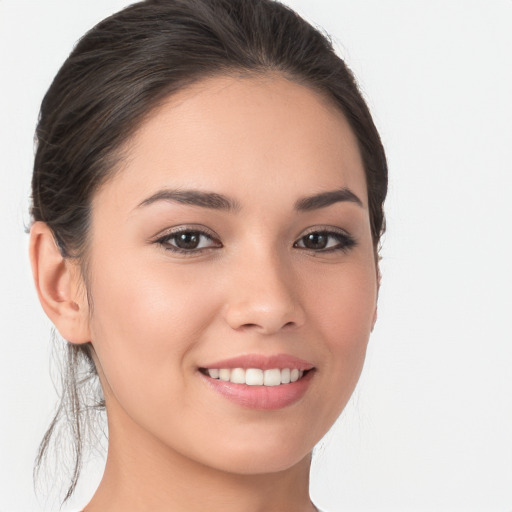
(255, 376)
(272, 377)
(224, 374)
(238, 376)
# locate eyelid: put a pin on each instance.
(324, 229)
(199, 228)
(348, 242)
(165, 235)
(345, 240)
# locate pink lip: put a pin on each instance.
(261, 397)
(263, 362)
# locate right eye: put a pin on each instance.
(188, 241)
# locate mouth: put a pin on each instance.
(260, 382)
(256, 376)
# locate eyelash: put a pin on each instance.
(165, 240)
(344, 241)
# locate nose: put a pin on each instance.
(263, 297)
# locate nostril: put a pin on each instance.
(246, 327)
(251, 326)
(259, 313)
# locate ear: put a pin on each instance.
(59, 285)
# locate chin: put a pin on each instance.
(261, 456)
(261, 463)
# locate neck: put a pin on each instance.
(143, 474)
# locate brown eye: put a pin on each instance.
(325, 241)
(187, 240)
(315, 241)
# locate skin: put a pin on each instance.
(158, 315)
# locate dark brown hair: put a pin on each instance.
(124, 68)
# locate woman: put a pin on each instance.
(207, 203)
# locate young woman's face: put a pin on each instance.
(236, 234)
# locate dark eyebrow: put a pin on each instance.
(194, 198)
(325, 199)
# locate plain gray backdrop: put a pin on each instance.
(430, 425)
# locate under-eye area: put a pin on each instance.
(256, 376)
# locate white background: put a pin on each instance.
(430, 425)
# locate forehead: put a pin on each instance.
(241, 136)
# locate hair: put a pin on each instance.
(118, 73)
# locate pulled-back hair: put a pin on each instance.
(122, 70)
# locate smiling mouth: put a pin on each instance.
(256, 376)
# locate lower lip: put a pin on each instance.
(261, 397)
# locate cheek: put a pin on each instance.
(342, 311)
(146, 320)
(343, 302)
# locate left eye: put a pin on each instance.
(325, 241)
(187, 241)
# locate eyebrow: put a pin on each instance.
(193, 197)
(216, 201)
(325, 199)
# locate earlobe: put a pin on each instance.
(59, 285)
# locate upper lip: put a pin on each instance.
(263, 362)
